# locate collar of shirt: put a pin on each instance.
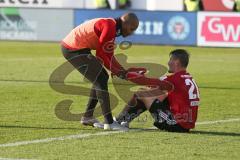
(181, 72)
(118, 27)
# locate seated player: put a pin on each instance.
(174, 111)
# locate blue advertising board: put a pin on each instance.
(155, 27)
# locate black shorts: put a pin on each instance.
(68, 53)
(88, 65)
(164, 119)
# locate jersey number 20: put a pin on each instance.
(193, 90)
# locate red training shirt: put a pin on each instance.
(96, 34)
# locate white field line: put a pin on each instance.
(69, 137)
(80, 136)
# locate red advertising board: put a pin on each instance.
(218, 5)
(218, 29)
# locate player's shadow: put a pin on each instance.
(46, 128)
(213, 133)
(195, 132)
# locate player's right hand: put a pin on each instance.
(139, 70)
(133, 75)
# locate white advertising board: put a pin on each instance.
(219, 29)
(43, 3)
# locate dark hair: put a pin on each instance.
(182, 55)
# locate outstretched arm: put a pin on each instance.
(106, 30)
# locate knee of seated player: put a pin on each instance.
(148, 100)
(150, 92)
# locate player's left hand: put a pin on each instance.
(133, 75)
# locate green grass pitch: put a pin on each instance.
(27, 109)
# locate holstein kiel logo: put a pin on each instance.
(178, 28)
(221, 29)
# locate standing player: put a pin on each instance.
(175, 111)
(98, 34)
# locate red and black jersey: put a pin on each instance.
(183, 99)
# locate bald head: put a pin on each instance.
(130, 18)
(129, 23)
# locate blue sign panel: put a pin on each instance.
(155, 27)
